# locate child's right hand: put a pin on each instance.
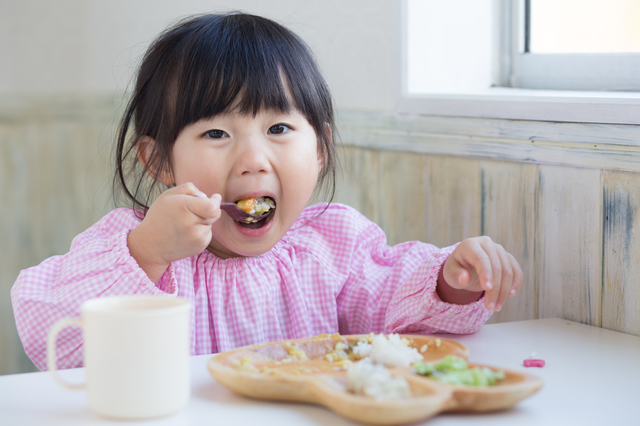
(177, 225)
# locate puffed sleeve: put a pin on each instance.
(98, 264)
(393, 289)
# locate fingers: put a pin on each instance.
(498, 272)
(493, 288)
(507, 277)
(518, 276)
(186, 189)
(208, 209)
(475, 257)
(505, 266)
(457, 275)
(197, 202)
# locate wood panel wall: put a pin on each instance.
(563, 198)
(54, 184)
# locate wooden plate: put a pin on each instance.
(263, 371)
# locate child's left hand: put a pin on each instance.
(476, 265)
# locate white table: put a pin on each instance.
(592, 376)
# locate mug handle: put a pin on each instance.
(51, 349)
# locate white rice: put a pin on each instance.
(362, 349)
(370, 376)
(263, 205)
(375, 381)
(392, 351)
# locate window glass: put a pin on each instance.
(584, 26)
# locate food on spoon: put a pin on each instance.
(455, 371)
(247, 204)
(257, 206)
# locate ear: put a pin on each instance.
(146, 151)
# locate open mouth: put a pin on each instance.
(262, 212)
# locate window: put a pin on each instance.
(470, 45)
(548, 60)
(573, 44)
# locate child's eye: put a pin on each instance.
(216, 134)
(279, 129)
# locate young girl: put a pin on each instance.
(231, 108)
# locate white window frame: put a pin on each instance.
(520, 103)
(601, 72)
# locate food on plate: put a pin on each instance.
(437, 343)
(349, 374)
(392, 351)
(365, 360)
(245, 363)
(334, 352)
(455, 371)
(533, 362)
(376, 381)
(294, 353)
(369, 376)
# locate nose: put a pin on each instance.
(253, 156)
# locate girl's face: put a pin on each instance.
(240, 156)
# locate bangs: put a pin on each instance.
(244, 66)
(239, 79)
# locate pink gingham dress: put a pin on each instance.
(331, 272)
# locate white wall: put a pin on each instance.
(449, 51)
(53, 47)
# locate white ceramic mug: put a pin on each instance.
(136, 355)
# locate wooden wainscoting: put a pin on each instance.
(621, 251)
(563, 198)
(54, 183)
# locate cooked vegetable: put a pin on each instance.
(455, 370)
(247, 204)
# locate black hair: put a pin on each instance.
(210, 64)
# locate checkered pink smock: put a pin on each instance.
(331, 272)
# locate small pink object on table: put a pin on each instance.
(533, 362)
